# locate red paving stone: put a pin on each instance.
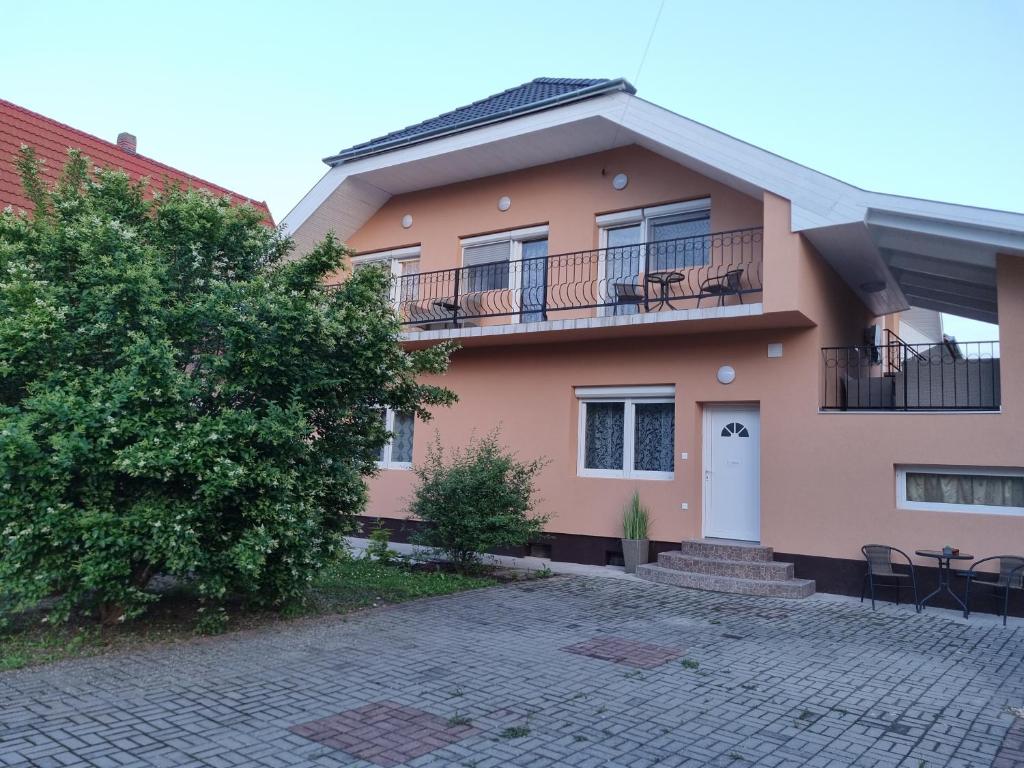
(384, 733)
(629, 652)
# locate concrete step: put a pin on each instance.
(720, 549)
(738, 569)
(791, 588)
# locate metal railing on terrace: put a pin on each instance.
(707, 270)
(896, 376)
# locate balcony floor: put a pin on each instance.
(734, 317)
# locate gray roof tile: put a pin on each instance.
(540, 93)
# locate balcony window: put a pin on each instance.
(488, 259)
(403, 264)
(626, 432)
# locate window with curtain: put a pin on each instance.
(397, 453)
(963, 490)
(680, 241)
(631, 437)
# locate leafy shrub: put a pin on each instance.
(481, 498)
(178, 395)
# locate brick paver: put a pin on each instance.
(622, 651)
(484, 679)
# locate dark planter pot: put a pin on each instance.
(635, 552)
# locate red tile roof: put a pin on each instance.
(51, 141)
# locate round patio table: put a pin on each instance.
(664, 281)
(945, 572)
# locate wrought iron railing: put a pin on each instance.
(719, 268)
(896, 376)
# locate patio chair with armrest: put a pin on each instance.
(1010, 576)
(879, 562)
(727, 284)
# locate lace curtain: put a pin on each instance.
(653, 443)
(989, 490)
(401, 443)
(605, 431)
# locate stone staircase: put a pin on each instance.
(726, 566)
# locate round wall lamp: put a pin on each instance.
(504, 203)
(726, 374)
(407, 221)
(619, 181)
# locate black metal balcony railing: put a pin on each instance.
(896, 376)
(715, 268)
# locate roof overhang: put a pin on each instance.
(927, 253)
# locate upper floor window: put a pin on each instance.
(490, 259)
(404, 266)
(627, 432)
(397, 452)
(678, 234)
(961, 489)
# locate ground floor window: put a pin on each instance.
(397, 453)
(961, 489)
(626, 432)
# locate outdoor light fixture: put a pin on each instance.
(504, 203)
(407, 221)
(726, 374)
(620, 180)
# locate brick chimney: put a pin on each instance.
(126, 141)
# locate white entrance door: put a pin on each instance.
(732, 472)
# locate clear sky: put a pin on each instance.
(917, 97)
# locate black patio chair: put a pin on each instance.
(728, 284)
(879, 561)
(1010, 576)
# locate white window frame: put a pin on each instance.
(385, 462)
(394, 259)
(643, 217)
(902, 502)
(516, 238)
(630, 396)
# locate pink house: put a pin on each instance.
(655, 305)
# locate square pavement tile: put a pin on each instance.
(622, 651)
(384, 733)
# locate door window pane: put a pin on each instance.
(622, 268)
(654, 439)
(604, 435)
(534, 280)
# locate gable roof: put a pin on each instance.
(51, 141)
(539, 93)
(931, 254)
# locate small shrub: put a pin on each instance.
(635, 519)
(481, 498)
(212, 621)
(377, 549)
(689, 664)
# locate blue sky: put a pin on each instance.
(921, 98)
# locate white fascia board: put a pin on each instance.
(312, 200)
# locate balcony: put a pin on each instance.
(896, 376)
(715, 270)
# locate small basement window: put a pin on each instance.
(961, 489)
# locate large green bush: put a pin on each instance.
(481, 498)
(178, 395)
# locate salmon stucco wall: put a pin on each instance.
(565, 195)
(827, 479)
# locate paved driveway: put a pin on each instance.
(567, 671)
